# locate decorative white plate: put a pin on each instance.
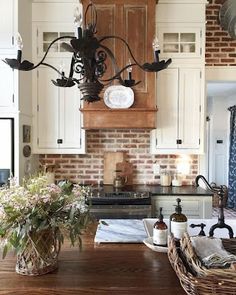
(149, 243)
(118, 97)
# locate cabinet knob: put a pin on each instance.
(179, 141)
(59, 141)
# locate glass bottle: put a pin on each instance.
(160, 232)
(178, 221)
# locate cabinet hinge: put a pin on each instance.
(156, 141)
(37, 108)
(200, 108)
(37, 140)
(200, 51)
(199, 141)
(13, 97)
(12, 40)
(201, 33)
(80, 141)
(200, 74)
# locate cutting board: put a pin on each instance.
(110, 161)
(126, 171)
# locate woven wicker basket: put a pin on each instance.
(194, 277)
(39, 255)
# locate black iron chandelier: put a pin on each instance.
(89, 55)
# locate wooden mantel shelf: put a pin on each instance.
(135, 118)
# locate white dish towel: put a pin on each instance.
(212, 252)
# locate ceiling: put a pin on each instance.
(221, 89)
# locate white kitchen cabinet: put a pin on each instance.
(57, 118)
(192, 206)
(45, 33)
(56, 110)
(179, 116)
(8, 98)
(7, 24)
(180, 28)
(180, 41)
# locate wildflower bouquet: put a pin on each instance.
(41, 215)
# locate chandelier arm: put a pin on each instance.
(52, 67)
(46, 53)
(127, 45)
(117, 70)
(117, 75)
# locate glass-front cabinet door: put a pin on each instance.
(46, 33)
(176, 42)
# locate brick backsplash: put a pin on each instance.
(220, 47)
(88, 168)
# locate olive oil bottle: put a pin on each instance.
(178, 221)
(160, 231)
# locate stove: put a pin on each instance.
(120, 204)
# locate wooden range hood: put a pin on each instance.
(133, 20)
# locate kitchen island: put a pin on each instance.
(98, 269)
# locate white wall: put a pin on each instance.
(219, 130)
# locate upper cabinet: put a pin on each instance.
(45, 33)
(180, 41)
(56, 110)
(58, 120)
(8, 103)
(180, 110)
(7, 25)
(134, 21)
(181, 88)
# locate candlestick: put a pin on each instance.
(19, 46)
(155, 45)
(129, 70)
(78, 23)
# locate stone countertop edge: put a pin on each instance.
(188, 190)
(180, 191)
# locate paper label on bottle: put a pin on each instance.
(178, 229)
(160, 236)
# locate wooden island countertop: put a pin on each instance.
(97, 269)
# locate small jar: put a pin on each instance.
(165, 178)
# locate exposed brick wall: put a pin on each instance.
(220, 47)
(136, 143)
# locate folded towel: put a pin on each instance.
(212, 252)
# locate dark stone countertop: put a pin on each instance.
(187, 190)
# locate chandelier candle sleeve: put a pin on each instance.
(129, 70)
(78, 23)
(156, 49)
(19, 44)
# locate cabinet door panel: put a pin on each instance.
(6, 87)
(70, 120)
(48, 103)
(167, 104)
(189, 107)
(6, 24)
